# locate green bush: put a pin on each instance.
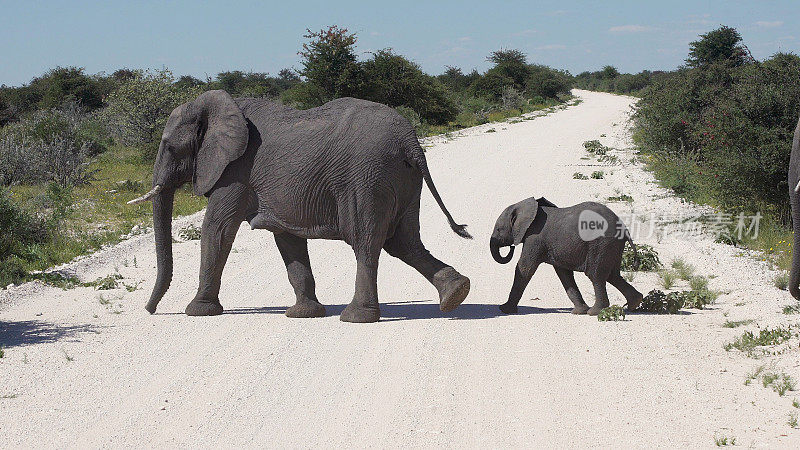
(645, 255)
(138, 110)
(50, 145)
(658, 302)
(613, 313)
(53, 89)
(393, 80)
(723, 130)
(19, 234)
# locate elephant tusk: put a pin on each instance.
(797, 188)
(153, 192)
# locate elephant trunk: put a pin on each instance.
(494, 246)
(162, 226)
(794, 277)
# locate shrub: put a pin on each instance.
(612, 313)
(53, 89)
(579, 176)
(19, 233)
(598, 175)
(658, 302)
(138, 110)
(723, 131)
(646, 255)
(50, 145)
(511, 98)
(393, 80)
(189, 233)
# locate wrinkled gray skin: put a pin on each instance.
(794, 201)
(550, 235)
(349, 169)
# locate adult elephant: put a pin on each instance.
(794, 201)
(349, 169)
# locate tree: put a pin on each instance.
(188, 82)
(393, 80)
(330, 62)
(721, 45)
(138, 110)
(287, 79)
(505, 56)
(609, 72)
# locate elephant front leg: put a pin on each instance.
(294, 251)
(364, 307)
(225, 212)
(521, 279)
(567, 278)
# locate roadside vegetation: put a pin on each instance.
(75, 147)
(718, 131)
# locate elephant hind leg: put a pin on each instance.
(407, 246)
(294, 251)
(601, 297)
(364, 307)
(631, 294)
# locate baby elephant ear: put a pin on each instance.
(522, 218)
(224, 138)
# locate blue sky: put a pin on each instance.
(204, 38)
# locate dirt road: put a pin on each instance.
(82, 370)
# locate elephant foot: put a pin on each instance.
(595, 310)
(453, 288)
(306, 309)
(508, 308)
(201, 308)
(582, 309)
(360, 314)
(635, 303)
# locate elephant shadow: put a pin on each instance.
(416, 310)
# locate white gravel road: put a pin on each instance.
(81, 373)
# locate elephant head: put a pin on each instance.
(794, 200)
(199, 141)
(511, 226)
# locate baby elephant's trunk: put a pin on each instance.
(494, 246)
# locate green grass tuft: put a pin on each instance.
(748, 341)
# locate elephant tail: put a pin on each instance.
(417, 155)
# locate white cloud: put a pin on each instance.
(465, 39)
(765, 24)
(629, 29)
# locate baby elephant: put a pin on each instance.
(586, 238)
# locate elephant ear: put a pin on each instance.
(522, 217)
(224, 140)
